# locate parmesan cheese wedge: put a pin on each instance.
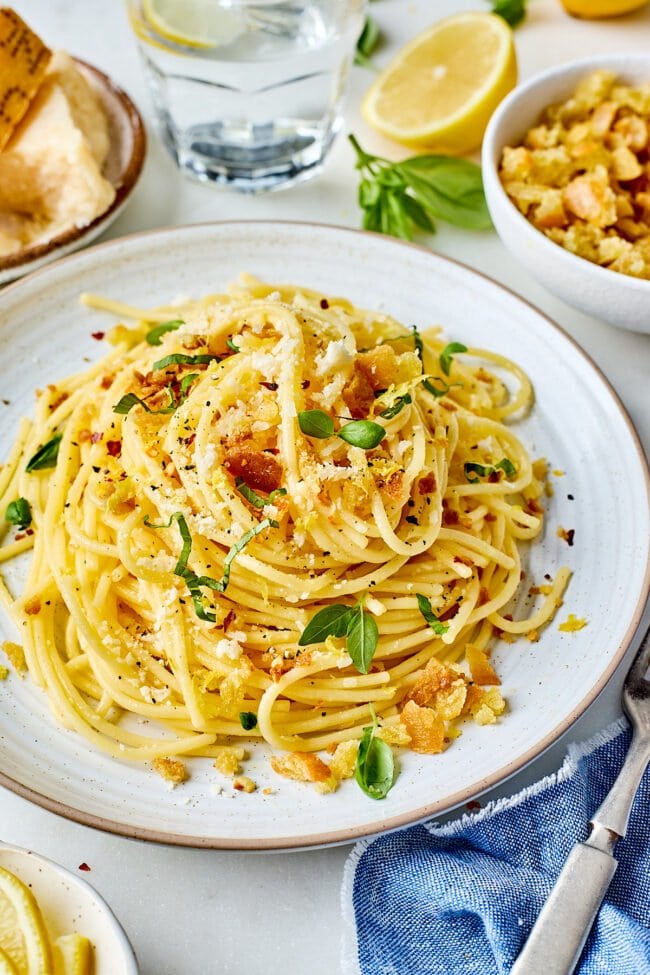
(23, 63)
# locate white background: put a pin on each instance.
(193, 912)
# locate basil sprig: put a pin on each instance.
(195, 583)
(154, 336)
(45, 456)
(255, 499)
(360, 433)
(19, 513)
(474, 472)
(398, 198)
(353, 622)
(512, 11)
(375, 766)
(447, 355)
(424, 605)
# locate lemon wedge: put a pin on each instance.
(594, 9)
(72, 955)
(23, 937)
(441, 89)
(192, 23)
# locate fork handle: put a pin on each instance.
(614, 813)
(558, 937)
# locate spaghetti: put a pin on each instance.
(270, 514)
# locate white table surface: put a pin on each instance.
(193, 912)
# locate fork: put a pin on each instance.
(559, 934)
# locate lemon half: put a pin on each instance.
(441, 89)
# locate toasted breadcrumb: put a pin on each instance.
(170, 769)
(480, 667)
(425, 727)
(4, 672)
(15, 655)
(301, 766)
(228, 764)
(244, 784)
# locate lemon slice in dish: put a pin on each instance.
(72, 955)
(23, 937)
(441, 89)
(192, 23)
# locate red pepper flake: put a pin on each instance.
(96, 437)
(324, 303)
(84, 866)
(98, 336)
(567, 534)
(114, 447)
(30, 531)
(18, 536)
(473, 806)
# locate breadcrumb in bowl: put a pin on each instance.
(622, 299)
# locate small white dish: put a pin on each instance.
(122, 168)
(70, 905)
(616, 298)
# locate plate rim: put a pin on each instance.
(21, 261)
(449, 802)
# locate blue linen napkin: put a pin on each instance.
(460, 899)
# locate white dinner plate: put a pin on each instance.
(578, 424)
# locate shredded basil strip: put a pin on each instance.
(248, 720)
(391, 411)
(231, 345)
(195, 583)
(375, 765)
(179, 359)
(255, 499)
(447, 355)
(154, 336)
(362, 433)
(424, 606)
(430, 388)
(484, 470)
(19, 513)
(45, 456)
(316, 423)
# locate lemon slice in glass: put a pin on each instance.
(23, 937)
(192, 23)
(441, 89)
(7, 967)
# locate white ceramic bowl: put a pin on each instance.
(617, 298)
(70, 904)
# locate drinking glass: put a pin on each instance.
(248, 93)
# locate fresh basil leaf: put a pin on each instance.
(332, 620)
(362, 433)
(450, 188)
(447, 355)
(154, 337)
(45, 456)
(512, 11)
(248, 720)
(484, 470)
(396, 407)
(367, 42)
(315, 423)
(417, 213)
(375, 765)
(363, 636)
(369, 193)
(425, 608)
(19, 513)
